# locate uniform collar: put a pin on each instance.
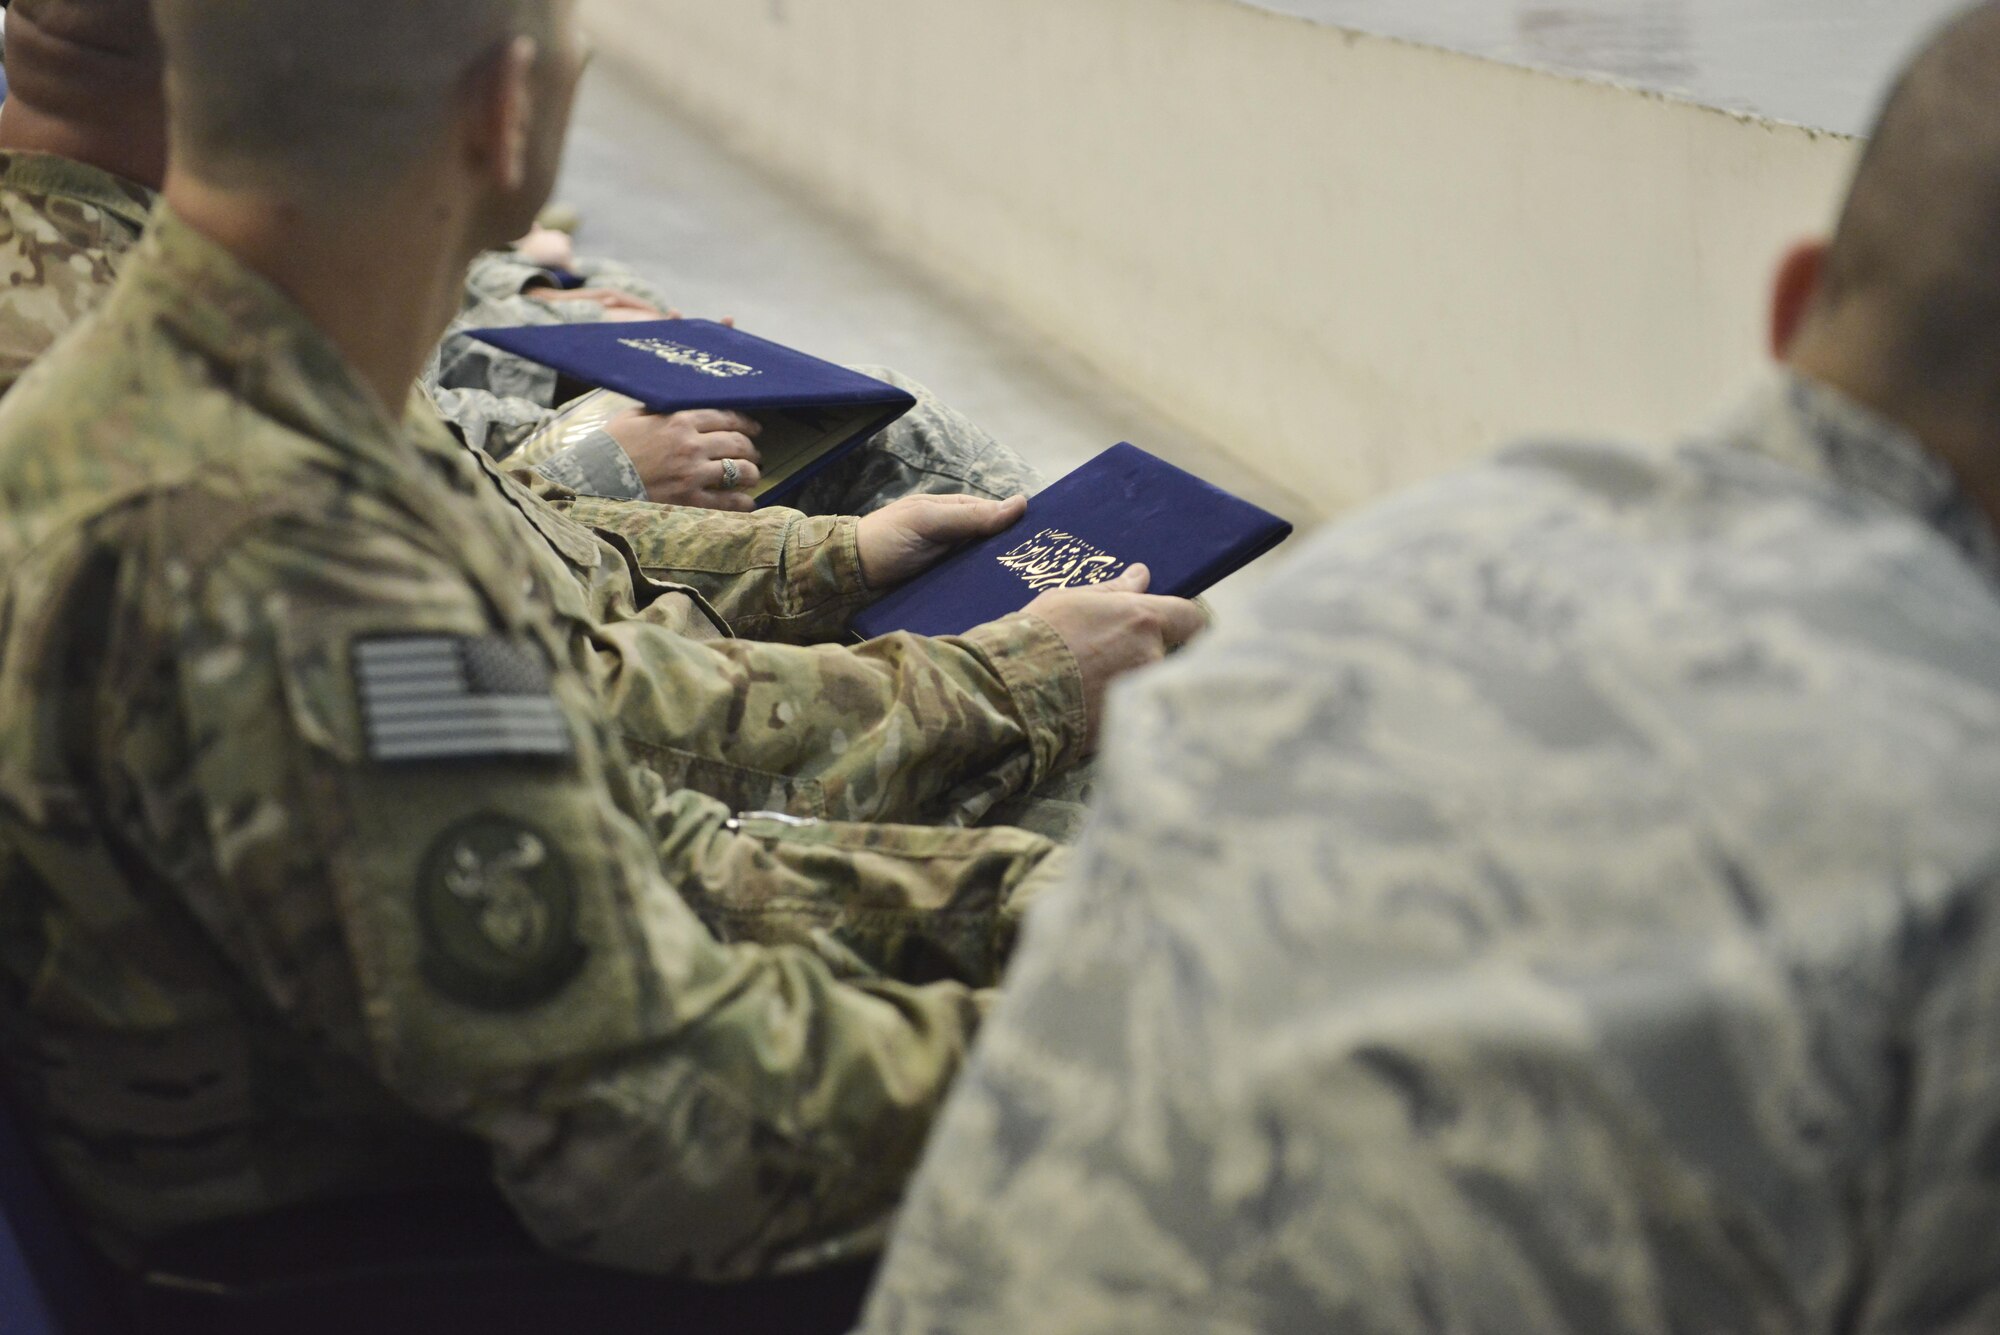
(47, 174)
(264, 347)
(1812, 426)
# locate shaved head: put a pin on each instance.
(1917, 252)
(330, 93)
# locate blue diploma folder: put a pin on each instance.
(1123, 508)
(812, 411)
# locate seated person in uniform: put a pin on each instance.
(1571, 902)
(911, 731)
(509, 407)
(330, 854)
(93, 97)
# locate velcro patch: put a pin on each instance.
(452, 697)
(499, 916)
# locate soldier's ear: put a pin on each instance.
(1800, 276)
(500, 115)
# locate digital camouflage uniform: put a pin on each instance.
(498, 402)
(507, 406)
(905, 730)
(1569, 902)
(323, 865)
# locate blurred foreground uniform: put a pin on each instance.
(1571, 903)
(323, 867)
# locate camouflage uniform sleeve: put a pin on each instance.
(913, 903)
(494, 424)
(774, 574)
(903, 728)
(1574, 1146)
(498, 426)
(501, 275)
(506, 275)
(458, 880)
(1931, 1206)
(596, 466)
(616, 276)
(464, 362)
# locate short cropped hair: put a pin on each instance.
(1919, 238)
(333, 92)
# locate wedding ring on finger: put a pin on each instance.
(731, 475)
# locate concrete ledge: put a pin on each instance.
(1349, 261)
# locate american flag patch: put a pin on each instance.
(452, 697)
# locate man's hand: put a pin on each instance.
(617, 306)
(681, 457)
(907, 537)
(1116, 627)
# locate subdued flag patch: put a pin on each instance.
(454, 697)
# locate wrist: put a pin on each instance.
(869, 558)
(849, 572)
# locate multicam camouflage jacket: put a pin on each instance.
(324, 863)
(64, 227)
(1569, 902)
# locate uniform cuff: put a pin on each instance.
(597, 465)
(821, 585)
(1042, 677)
(503, 274)
(838, 554)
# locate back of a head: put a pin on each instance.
(1916, 250)
(291, 93)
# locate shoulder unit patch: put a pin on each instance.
(497, 909)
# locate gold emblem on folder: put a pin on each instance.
(693, 358)
(1053, 559)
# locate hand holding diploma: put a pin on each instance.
(703, 456)
(1115, 628)
(902, 540)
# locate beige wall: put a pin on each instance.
(1347, 261)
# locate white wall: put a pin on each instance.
(1348, 261)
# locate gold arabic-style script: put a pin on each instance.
(1053, 559)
